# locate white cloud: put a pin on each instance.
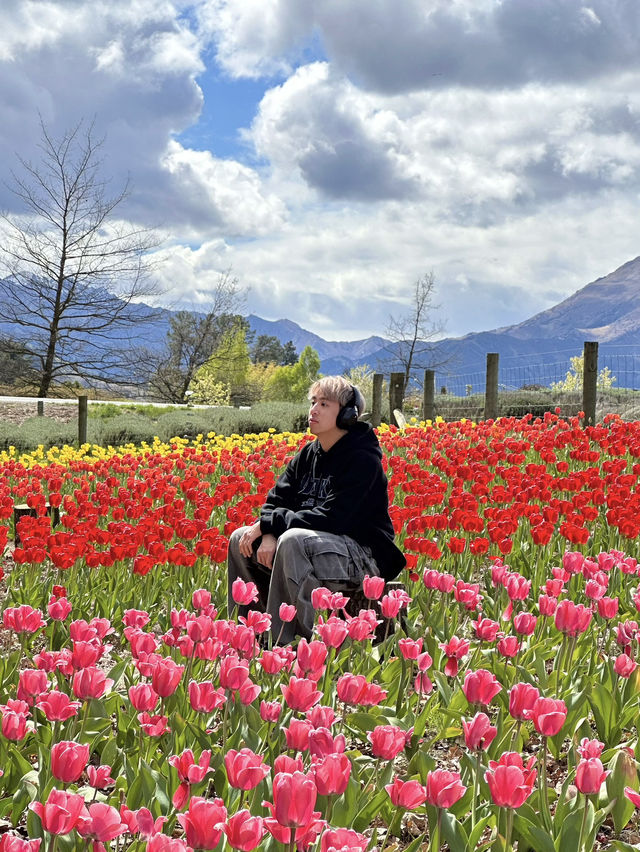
(256, 38)
(396, 47)
(211, 192)
(494, 141)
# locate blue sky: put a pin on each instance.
(330, 152)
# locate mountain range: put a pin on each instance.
(536, 351)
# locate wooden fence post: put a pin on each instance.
(429, 395)
(40, 405)
(396, 395)
(590, 382)
(376, 402)
(491, 387)
(83, 410)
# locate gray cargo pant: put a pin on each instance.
(304, 560)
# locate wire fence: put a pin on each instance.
(534, 387)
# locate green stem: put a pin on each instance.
(583, 823)
(396, 814)
(544, 798)
(434, 843)
(507, 834)
(476, 790)
(514, 736)
(560, 660)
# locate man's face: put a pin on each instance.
(322, 415)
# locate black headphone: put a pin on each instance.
(348, 414)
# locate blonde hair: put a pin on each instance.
(337, 389)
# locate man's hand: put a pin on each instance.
(247, 539)
(267, 550)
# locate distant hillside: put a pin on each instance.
(335, 356)
(606, 310)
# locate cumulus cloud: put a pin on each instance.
(493, 141)
(344, 145)
(131, 68)
(256, 38)
(399, 47)
(477, 155)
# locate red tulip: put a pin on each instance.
(14, 843)
(407, 794)
(245, 769)
(68, 760)
(548, 715)
(480, 687)
(331, 774)
(244, 831)
(102, 824)
(387, 741)
(479, 733)
(301, 693)
(510, 781)
(204, 822)
(590, 775)
(61, 812)
(338, 839)
(522, 697)
(294, 797)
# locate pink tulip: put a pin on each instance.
(406, 794)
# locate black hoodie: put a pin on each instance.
(341, 491)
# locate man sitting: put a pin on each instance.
(326, 520)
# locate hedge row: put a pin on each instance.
(135, 428)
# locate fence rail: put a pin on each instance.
(525, 388)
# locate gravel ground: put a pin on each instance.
(18, 412)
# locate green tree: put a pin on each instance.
(291, 383)
(229, 363)
(191, 340)
(268, 350)
(575, 377)
(289, 354)
(16, 367)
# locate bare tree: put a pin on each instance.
(412, 335)
(72, 270)
(192, 339)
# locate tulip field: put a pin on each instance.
(488, 700)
